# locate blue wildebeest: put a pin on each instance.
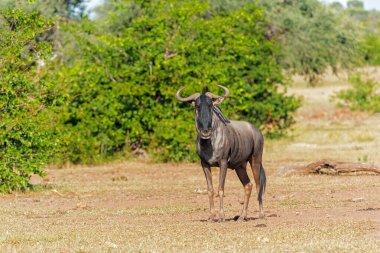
(226, 144)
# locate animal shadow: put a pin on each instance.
(235, 218)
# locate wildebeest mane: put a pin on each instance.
(220, 115)
(205, 89)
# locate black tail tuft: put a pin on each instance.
(205, 89)
(263, 182)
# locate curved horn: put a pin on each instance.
(226, 91)
(187, 99)
(219, 99)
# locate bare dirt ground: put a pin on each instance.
(137, 206)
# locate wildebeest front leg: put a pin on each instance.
(210, 190)
(222, 180)
(244, 179)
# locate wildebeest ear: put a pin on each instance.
(218, 100)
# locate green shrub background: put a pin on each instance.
(27, 140)
(123, 82)
(362, 95)
(75, 89)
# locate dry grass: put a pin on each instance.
(324, 131)
(157, 210)
(146, 207)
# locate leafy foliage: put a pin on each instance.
(122, 81)
(337, 6)
(61, 8)
(369, 24)
(372, 49)
(370, 21)
(313, 37)
(362, 95)
(26, 142)
(355, 4)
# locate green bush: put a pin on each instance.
(122, 80)
(372, 49)
(362, 95)
(26, 136)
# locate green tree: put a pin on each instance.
(356, 9)
(61, 8)
(355, 4)
(122, 81)
(369, 22)
(60, 11)
(313, 37)
(26, 136)
(337, 5)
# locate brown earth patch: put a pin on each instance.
(84, 209)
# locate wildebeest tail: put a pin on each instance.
(263, 182)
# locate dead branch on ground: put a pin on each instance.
(331, 167)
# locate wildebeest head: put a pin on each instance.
(204, 104)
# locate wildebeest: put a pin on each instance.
(226, 144)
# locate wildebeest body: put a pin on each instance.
(226, 144)
(236, 142)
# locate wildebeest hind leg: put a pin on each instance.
(222, 180)
(256, 167)
(244, 179)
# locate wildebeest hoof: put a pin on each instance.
(242, 219)
(261, 216)
(211, 218)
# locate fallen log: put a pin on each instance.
(331, 167)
